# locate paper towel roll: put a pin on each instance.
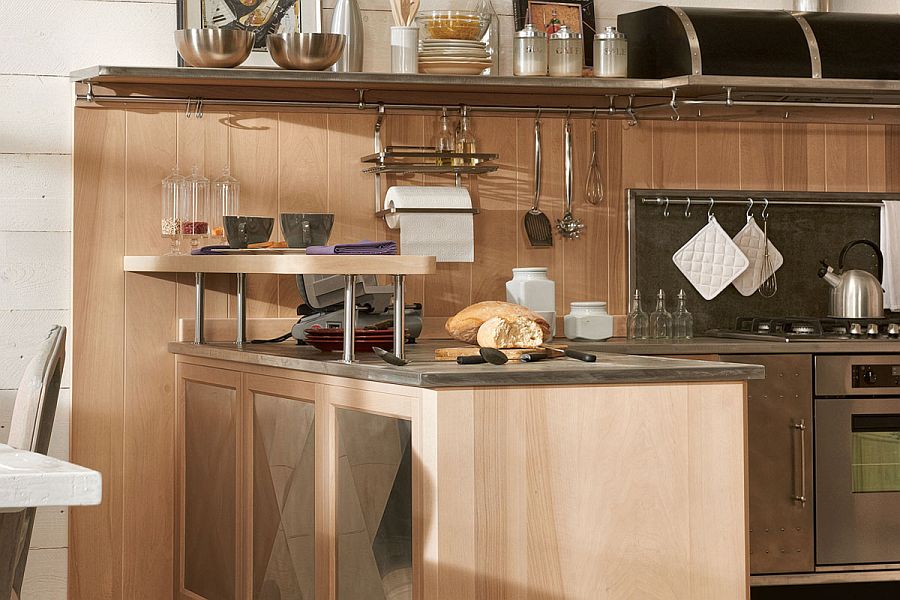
(448, 236)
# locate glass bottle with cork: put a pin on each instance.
(465, 138)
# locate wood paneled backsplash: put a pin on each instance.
(293, 162)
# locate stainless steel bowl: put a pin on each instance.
(214, 48)
(305, 51)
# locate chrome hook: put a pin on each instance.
(673, 104)
(749, 209)
(379, 121)
(710, 215)
(765, 211)
(198, 113)
(187, 110)
(687, 209)
(666, 209)
(89, 95)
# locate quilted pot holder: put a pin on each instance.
(711, 260)
(751, 240)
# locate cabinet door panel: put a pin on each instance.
(210, 469)
(781, 528)
(374, 507)
(283, 498)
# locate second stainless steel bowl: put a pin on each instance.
(305, 51)
(214, 48)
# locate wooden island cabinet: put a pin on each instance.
(297, 484)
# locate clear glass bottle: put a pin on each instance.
(171, 210)
(226, 201)
(638, 323)
(660, 319)
(465, 138)
(195, 207)
(682, 321)
(443, 139)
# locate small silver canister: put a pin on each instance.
(530, 52)
(565, 53)
(610, 53)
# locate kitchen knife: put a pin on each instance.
(474, 359)
(548, 352)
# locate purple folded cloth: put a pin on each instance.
(363, 248)
(209, 249)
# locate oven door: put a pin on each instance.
(857, 480)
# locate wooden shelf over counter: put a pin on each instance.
(283, 264)
(794, 99)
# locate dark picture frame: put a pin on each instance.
(525, 9)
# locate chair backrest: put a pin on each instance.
(35, 407)
(32, 423)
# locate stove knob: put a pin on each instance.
(872, 330)
(894, 330)
(870, 377)
(855, 329)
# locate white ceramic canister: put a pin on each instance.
(531, 288)
(610, 53)
(530, 52)
(588, 321)
(566, 53)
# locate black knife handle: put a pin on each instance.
(534, 356)
(474, 359)
(585, 356)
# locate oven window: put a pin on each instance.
(876, 453)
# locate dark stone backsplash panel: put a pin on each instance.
(803, 234)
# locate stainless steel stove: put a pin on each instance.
(810, 329)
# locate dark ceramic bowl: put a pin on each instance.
(242, 231)
(302, 230)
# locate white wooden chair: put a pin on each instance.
(32, 422)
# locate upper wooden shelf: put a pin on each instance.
(696, 96)
(284, 264)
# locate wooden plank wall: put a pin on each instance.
(124, 378)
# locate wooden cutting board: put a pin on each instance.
(513, 353)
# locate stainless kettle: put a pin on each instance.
(856, 294)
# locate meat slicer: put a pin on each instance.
(323, 305)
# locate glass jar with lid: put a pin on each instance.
(566, 53)
(530, 52)
(610, 53)
(195, 207)
(171, 210)
(226, 198)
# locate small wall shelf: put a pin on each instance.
(348, 266)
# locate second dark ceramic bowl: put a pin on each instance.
(242, 231)
(302, 230)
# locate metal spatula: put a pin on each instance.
(537, 225)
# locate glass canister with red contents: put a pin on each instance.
(195, 207)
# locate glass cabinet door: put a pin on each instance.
(283, 504)
(374, 507)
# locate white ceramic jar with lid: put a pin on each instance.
(530, 52)
(610, 53)
(531, 288)
(566, 53)
(588, 321)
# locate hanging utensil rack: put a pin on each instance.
(405, 160)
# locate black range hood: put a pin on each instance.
(668, 41)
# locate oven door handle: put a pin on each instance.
(801, 497)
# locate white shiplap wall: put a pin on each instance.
(41, 41)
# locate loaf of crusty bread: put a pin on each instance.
(518, 332)
(464, 325)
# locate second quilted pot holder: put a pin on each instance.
(751, 240)
(711, 260)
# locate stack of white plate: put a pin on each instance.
(453, 57)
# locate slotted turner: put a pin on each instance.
(537, 225)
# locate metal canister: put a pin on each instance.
(530, 52)
(566, 53)
(610, 53)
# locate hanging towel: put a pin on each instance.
(890, 247)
